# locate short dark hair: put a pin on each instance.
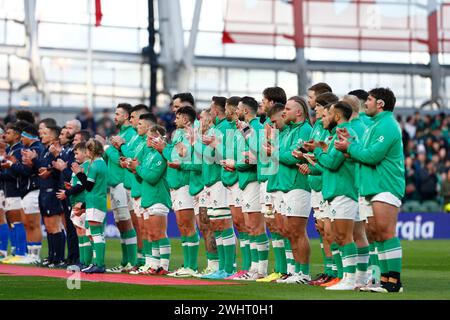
(320, 87)
(344, 108)
(220, 102)
(85, 135)
(157, 128)
(189, 112)
(360, 93)
(48, 122)
(251, 103)
(139, 107)
(55, 130)
(31, 130)
(326, 98)
(80, 146)
(125, 106)
(25, 115)
(234, 101)
(14, 127)
(148, 116)
(277, 107)
(185, 97)
(386, 95)
(275, 94)
(22, 124)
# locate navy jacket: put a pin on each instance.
(12, 181)
(45, 161)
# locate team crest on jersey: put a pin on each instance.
(180, 203)
(247, 205)
(380, 138)
(333, 212)
(159, 163)
(215, 202)
(289, 209)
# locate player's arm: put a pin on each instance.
(331, 160)
(152, 172)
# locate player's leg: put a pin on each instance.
(161, 244)
(53, 225)
(359, 235)
(386, 209)
(344, 211)
(95, 220)
(14, 212)
(4, 235)
(32, 218)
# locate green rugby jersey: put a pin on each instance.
(116, 174)
(275, 166)
(229, 178)
(359, 127)
(80, 197)
(319, 133)
(339, 171)
(177, 178)
(381, 157)
(289, 176)
(365, 119)
(97, 173)
(248, 173)
(152, 171)
(139, 145)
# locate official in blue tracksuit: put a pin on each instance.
(30, 194)
(63, 164)
(13, 192)
(49, 183)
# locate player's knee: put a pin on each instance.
(121, 214)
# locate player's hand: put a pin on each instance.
(55, 149)
(249, 158)
(181, 149)
(309, 145)
(59, 164)
(208, 140)
(67, 185)
(133, 165)
(174, 164)
(322, 145)
(158, 144)
(342, 133)
(76, 168)
(269, 148)
(303, 168)
(123, 162)
(297, 154)
(5, 164)
(44, 173)
(310, 158)
(342, 145)
(31, 154)
(61, 194)
(77, 209)
(117, 141)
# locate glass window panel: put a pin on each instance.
(67, 11)
(237, 80)
(62, 36)
(260, 79)
(19, 69)
(15, 33)
(12, 9)
(115, 39)
(288, 81)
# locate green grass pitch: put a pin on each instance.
(426, 275)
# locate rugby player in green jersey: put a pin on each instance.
(382, 181)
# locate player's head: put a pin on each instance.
(322, 100)
(30, 135)
(50, 135)
(25, 115)
(156, 132)
(81, 136)
(13, 134)
(296, 110)
(247, 108)
(272, 95)
(44, 123)
(380, 99)
(94, 148)
(353, 101)
(80, 152)
(73, 126)
(218, 106)
(64, 136)
(136, 112)
(230, 107)
(182, 100)
(315, 90)
(122, 114)
(276, 115)
(338, 113)
(205, 120)
(146, 120)
(362, 97)
(185, 117)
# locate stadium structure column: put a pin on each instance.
(299, 39)
(433, 49)
(153, 60)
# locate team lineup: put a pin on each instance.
(229, 172)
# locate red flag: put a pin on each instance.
(226, 37)
(98, 12)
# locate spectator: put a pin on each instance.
(411, 192)
(445, 190)
(105, 125)
(10, 117)
(87, 120)
(428, 182)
